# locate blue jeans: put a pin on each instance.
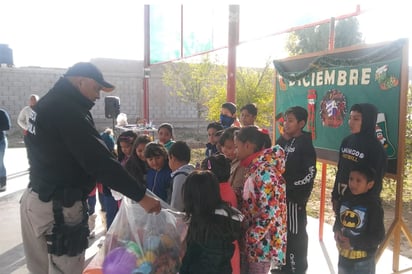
(3, 146)
(362, 267)
(111, 206)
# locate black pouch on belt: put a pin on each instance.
(70, 240)
(72, 195)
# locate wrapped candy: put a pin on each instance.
(167, 241)
(135, 248)
(141, 243)
(119, 261)
(151, 242)
(145, 268)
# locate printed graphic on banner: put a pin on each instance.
(333, 109)
(311, 112)
(383, 136)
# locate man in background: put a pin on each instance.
(23, 118)
(4, 126)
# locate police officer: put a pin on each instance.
(67, 156)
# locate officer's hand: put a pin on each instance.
(150, 204)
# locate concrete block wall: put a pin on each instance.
(163, 104)
(16, 85)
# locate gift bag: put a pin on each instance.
(141, 243)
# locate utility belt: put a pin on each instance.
(66, 239)
(67, 196)
(352, 254)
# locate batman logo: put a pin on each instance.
(349, 219)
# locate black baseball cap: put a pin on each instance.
(89, 70)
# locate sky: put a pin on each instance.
(59, 33)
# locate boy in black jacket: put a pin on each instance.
(300, 172)
(361, 147)
(359, 228)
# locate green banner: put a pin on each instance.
(327, 86)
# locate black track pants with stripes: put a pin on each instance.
(297, 244)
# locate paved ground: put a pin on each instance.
(322, 255)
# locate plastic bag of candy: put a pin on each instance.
(141, 243)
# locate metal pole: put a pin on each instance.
(331, 46)
(146, 63)
(232, 44)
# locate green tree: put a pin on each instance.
(195, 83)
(317, 38)
(252, 86)
(256, 86)
(215, 103)
(347, 33)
